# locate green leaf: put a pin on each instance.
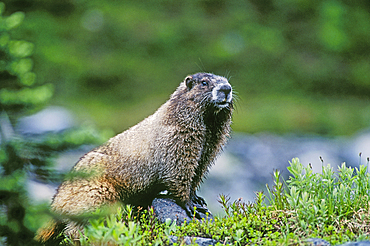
(27, 95)
(22, 66)
(14, 20)
(3, 65)
(28, 78)
(4, 39)
(3, 155)
(20, 48)
(2, 8)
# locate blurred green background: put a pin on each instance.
(299, 66)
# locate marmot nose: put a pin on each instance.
(225, 89)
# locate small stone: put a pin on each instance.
(361, 243)
(167, 208)
(189, 240)
(317, 242)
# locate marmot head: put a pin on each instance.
(209, 89)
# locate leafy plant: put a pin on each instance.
(332, 205)
(329, 200)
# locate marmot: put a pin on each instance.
(170, 150)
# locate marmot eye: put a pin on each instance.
(204, 83)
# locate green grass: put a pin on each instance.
(333, 205)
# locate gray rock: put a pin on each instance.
(321, 242)
(317, 242)
(361, 243)
(166, 208)
(189, 240)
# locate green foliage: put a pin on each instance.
(332, 206)
(112, 231)
(23, 158)
(18, 89)
(297, 65)
(125, 227)
(328, 199)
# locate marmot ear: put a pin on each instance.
(189, 82)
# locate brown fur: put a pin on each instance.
(170, 150)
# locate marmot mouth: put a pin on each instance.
(222, 104)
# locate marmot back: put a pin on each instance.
(170, 150)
